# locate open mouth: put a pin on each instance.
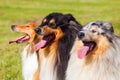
(86, 49)
(46, 40)
(20, 39)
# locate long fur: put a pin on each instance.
(64, 52)
(101, 64)
(30, 57)
(58, 52)
(29, 64)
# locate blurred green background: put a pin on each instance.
(23, 11)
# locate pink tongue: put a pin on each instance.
(82, 52)
(17, 39)
(39, 45)
(23, 39)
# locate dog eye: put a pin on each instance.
(103, 33)
(27, 26)
(93, 31)
(52, 25)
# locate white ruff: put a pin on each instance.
(47, 71)
(29, 64)
(107, 67)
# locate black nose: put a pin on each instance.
(13, 27)
(81, 35)
(38, 30)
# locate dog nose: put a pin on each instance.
(13, 27)
(81, 35)
(38, 30)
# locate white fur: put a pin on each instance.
(29, 64)
(107, 67)
(47, 71)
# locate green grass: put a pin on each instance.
(20, 12)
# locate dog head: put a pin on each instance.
(28, 29)
(96, 37)
(56, 25)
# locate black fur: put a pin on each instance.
(66, 42)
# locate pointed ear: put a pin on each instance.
(70, 17)
(108, 27)
(72, 21)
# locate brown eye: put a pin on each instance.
(103, 33)
(93, 31)
(53, 25)
(27, 26)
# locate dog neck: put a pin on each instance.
(32, 43)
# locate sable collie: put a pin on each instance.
(30, 63)
(99, 58)
(59, 32)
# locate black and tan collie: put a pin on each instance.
(30, 63)
(59, 32)
(99, 57)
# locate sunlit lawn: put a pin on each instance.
(21, 12)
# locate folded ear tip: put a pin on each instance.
(109, 26)
(69, 16)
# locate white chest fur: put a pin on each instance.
(47, 71)
(29, 64)
(107, 67)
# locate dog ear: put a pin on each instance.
(65, 19)
(70, 17)
(73, 22)
(108, 27)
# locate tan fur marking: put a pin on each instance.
(102, 46)
(51, 54)
(51, 49)
(52, 21)
(94, 28)
(31, 48)
(36, 75)
(44, 20)
(58, 33)
(47, 30)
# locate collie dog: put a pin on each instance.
(59, 32)
(30, 63)
(98, 55)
